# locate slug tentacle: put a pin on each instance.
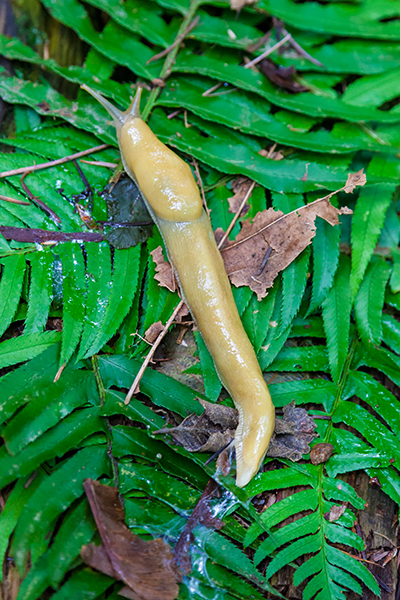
(173, 199)
(119, 117)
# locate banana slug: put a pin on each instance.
(172, 197)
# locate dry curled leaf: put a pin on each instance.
(153, 332)
(321, 453)
(215, 428)
(164, 272)
(293, 434)
(208, 432)
(354, 180)
(270, 153)
(335, 513)
(240, 187)
(283, 77)
(148, 568)
(282, 236)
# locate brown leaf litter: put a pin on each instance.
(147, 568)
(240, 187)
(213, 430)
(282, 77)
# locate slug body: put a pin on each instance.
(173, 199)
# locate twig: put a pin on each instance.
(296, 46)
(263, 40)
(178, 40)
(223, 93)
(59, 372)
(100, 163)
(269, 51)
(13, 200)
(173, 114)
(44, 236)
(200, 182)
(88, 188)
(53, 163)
(54, 216)
(212, 89)
(237, 215)
(265, 260)
(150, 355)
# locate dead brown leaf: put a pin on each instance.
(283, 77)
(208, 432)
(283, 236)
(335, 513)
(148, 568)
(215, 428)
(271, 153)
(293, 434)
(164, 272)
(354, 180)
(321, 453)
(153, 332)
(240, 187)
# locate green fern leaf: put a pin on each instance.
(74, 295)
(391, 332)
(336, 316)
(98, 270)
(294, 281)
(10, 288)
(212, 384)
(369, 301)
(325, 260)
(124, 285)
(40, 291)
(77, 529)
(23, 348)
(368, 220)
(49, 408)
(395, 277)
(55, 494)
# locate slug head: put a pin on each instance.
(165, 180)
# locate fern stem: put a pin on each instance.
(99, 382)
(341, 385)
(171, 56)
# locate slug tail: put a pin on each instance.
(252, 438)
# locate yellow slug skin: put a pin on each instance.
(173, 199)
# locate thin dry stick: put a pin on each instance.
(54, 216)
(150, 355)
(200, 183)
(296, 46)
(237, 215)
(100, 163)
(211, 89)
(173, 114)
(14, 200)
(176, 42)
(268, 52)
(134, 387)
(53, 163)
